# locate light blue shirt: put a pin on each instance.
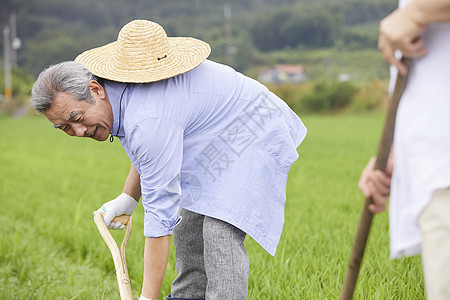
(213, 142)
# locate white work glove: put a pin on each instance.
(122, 205)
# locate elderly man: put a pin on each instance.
(210, 152)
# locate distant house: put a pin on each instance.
(282, 74)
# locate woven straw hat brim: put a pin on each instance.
(184, 54)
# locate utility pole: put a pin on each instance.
(7, 58)
(11, 44)
(15, 41)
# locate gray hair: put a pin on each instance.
(67, 77)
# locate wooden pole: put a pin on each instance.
(384, 147)
(120, 264)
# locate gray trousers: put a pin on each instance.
(210, 258)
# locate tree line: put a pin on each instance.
(57, 30)
(319, 25)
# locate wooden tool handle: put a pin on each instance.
(118, 256)
(124, 219)
(365, 222)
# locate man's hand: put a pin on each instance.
(122, 205)
(376, 184)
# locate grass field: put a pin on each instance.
(51, 249)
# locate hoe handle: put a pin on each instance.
(118, 256)
(362, 233)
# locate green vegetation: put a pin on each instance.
(22, 82)
(325, 96)
(53, 31)
(330, 38)
(289, 29)
(50, 183)
(328, 96)
(50, 248)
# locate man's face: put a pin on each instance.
(83, 118)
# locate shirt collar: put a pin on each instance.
(114, 91)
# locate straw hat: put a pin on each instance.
(144, 53)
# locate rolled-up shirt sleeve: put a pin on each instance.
(157, 146)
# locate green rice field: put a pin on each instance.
(50, 247)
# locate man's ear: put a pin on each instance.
(97, 90)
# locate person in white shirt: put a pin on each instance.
(418, 173)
